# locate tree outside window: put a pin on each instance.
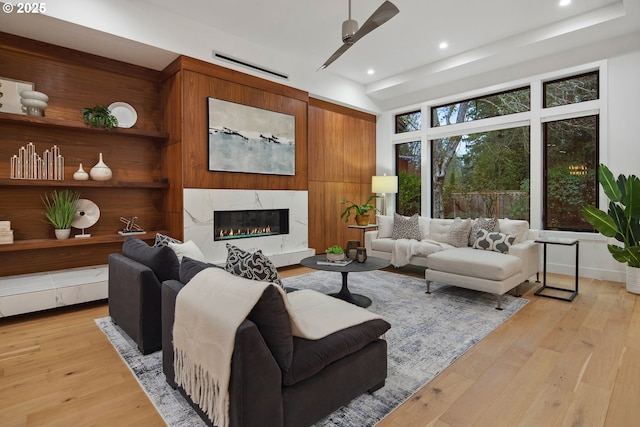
(409, 173)
(483, 174)
(570, 158)
(570, 154)
(487, 175)
(408, 122)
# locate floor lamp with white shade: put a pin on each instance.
(383, 184)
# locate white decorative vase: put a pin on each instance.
(100, 172)
(33, 103)
(633, 280)
(62, 233)
(80, 174)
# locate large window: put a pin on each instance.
(409, 173)
(570, 155)
(484, 174)
(488, 154)
(570, 160)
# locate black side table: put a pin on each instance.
(364, 229)
(557, 241)
(372, 263)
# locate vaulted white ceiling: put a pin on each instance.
(295, 37)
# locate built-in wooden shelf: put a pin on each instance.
(78, 126)
(31, 244)
(73, 183)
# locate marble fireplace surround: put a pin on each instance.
(284, 249)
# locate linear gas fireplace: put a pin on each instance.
(229, 225)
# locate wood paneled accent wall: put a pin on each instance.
(187, 84)
(74, 80)
(187, 109)
(342, 160)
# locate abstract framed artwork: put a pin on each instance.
(249, 139)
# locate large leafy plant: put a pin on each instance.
(362, 209)
(622, 220)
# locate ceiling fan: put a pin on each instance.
(351, 33)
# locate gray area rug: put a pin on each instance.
(428, 333)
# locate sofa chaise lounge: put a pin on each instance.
(487, 255)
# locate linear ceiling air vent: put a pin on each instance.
(229, 58)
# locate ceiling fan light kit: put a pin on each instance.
(351, 34)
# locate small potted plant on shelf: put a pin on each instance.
(99, 117)
(621, 221)
(60, 209)
(335, 253)
(361, 211)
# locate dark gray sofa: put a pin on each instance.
(135, 279)
(281, 380)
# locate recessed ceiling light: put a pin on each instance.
(444, 45)
(564, 2)
(370, 71)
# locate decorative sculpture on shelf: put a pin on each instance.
(27, 164)
(130, 226)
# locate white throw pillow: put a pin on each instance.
(188, 249)
(518, 227)
(385, 226)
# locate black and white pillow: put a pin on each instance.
(406, 227)
(489, 224)
(162, 240)
(251, 265)
(494, 241)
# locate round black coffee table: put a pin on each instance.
(372, 263)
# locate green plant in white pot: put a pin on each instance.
(621, 221)
(335, 253)
(60, 209)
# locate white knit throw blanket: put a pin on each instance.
(209, 310)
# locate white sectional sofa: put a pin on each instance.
(488, 255)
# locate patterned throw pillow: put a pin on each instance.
(459, 232)
(251, 265)
(162, 240)
(406, 227)
(494, 241)
(489, 224)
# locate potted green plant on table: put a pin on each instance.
(361, 211)
(335, 253)
(60, 209)
(621, 221)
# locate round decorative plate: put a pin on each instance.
(125, 114)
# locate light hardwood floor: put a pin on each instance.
(553, 363)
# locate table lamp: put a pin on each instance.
(384, 184)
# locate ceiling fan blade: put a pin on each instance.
(342, 49)
(386, 11)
